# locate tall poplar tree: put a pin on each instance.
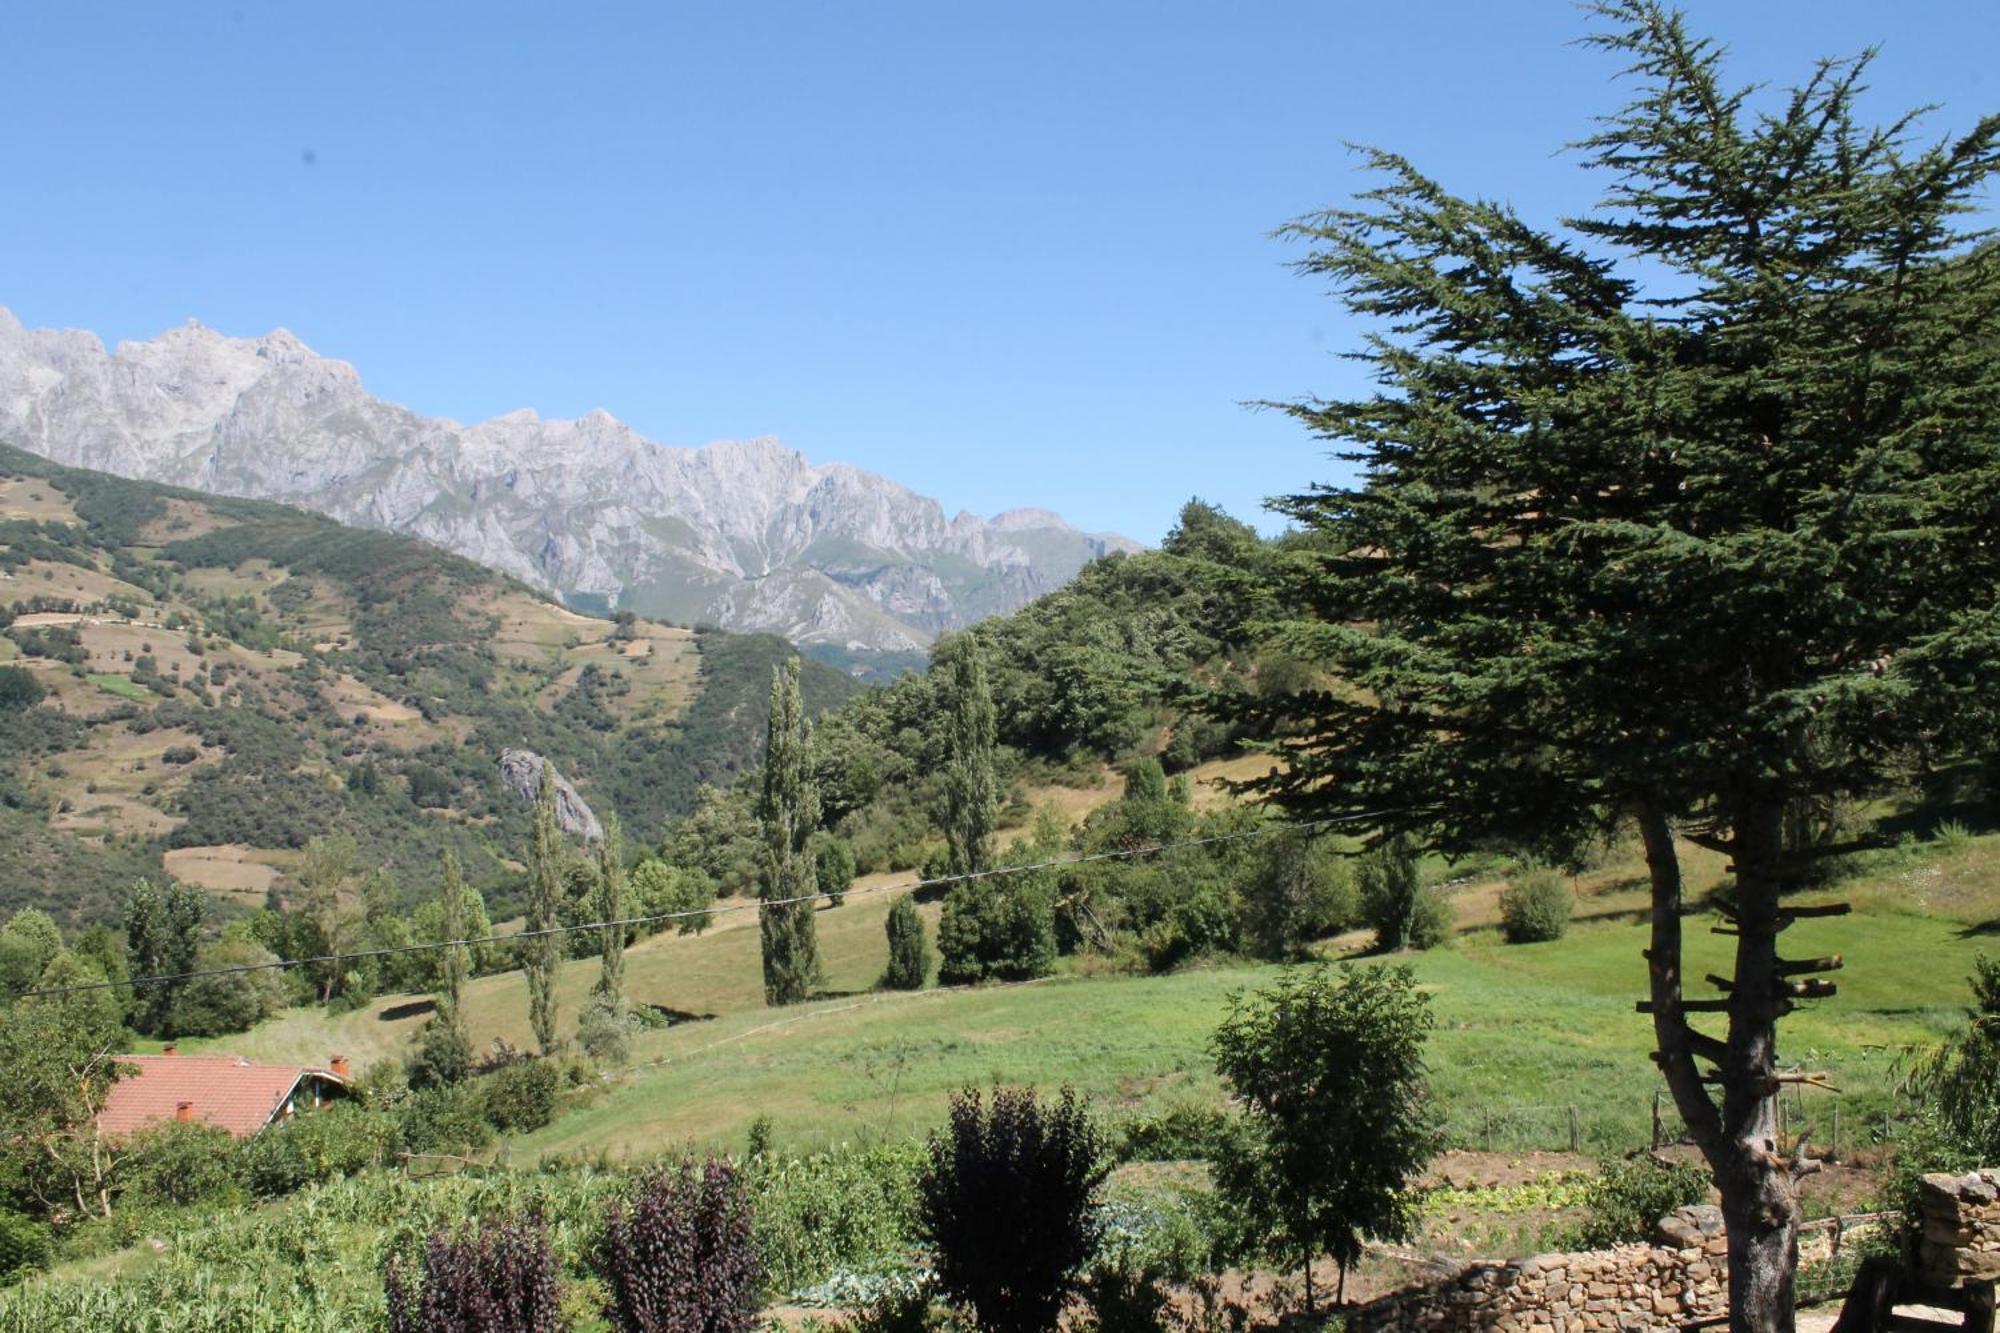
(602, 1030)
(971, 791)
(1679, 514)
(789, 812)
(545, 887)
(454, 920)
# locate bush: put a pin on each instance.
(443, 1057)
(1535, 907)
(1184, 1132)
(1404, 913)
(499, 1279)
(24, 1246)
(1627, 1199)
(182, 1163)
(1432, 923)
(446, 1120)
(19, 688)
(909, 951)
(313, 1147)
(681, 1256)
(522, 1095)
(834, 864)
(1300, 890)
(1008, 1204)
(994, 930)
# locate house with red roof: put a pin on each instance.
(221, 1090)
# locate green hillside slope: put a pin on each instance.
(222, 679)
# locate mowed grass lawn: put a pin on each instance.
(1524, 1033)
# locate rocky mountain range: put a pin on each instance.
(745, 534)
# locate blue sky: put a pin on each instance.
(1008, 254)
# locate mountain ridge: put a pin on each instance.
(743, 534)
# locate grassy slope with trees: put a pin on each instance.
(221, 673)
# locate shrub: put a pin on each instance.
(443, 1057)
(680, 1257)
(1184, 1132)
(499, 1279)
(1432, 921)
(993, 930)
(1627, 1198)
(1402, 911)
(24, 1246)
(1008, 1204)
(313, 1147)
(1299, 890)
(19, 688)
(522, 1095)
(181, 1163)
(834, 863)
(909, 951)
(448, 1120)
(1535, 907)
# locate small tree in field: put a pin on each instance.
(1008, 1204)
(498, 1279)
(1337, 1120)
(909, 952)
(681, 1258)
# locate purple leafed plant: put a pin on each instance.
(498, 1279)
(680, 1257)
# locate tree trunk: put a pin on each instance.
(1738, 1139)
(1759, 1202)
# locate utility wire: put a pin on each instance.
(1115, 854)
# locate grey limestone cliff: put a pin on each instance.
(743, 534)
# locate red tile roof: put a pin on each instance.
(222, 1090)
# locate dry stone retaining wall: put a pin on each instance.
(1662, 1286)
(1961, 1239)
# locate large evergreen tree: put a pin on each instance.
(545, 890)
(1682, 515)
(971, 790)
(789, 812)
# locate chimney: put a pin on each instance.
(339, 1066)
(170, 1049)
(184, 1112)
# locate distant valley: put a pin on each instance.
(743, 535)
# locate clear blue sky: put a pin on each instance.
(1007, 253)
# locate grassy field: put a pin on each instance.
(1525, 1032)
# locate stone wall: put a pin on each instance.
(1961, 1237)
(1682, 1276)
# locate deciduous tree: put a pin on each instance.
(1337, 1121)
(545, 891)
(789, 812)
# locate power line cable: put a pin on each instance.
(912, 886)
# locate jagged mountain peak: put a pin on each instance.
(748, 534)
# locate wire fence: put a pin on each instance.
(1646, 1119)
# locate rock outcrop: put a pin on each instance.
(746, 535)
(523, 770)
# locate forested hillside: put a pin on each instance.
(198, 686)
